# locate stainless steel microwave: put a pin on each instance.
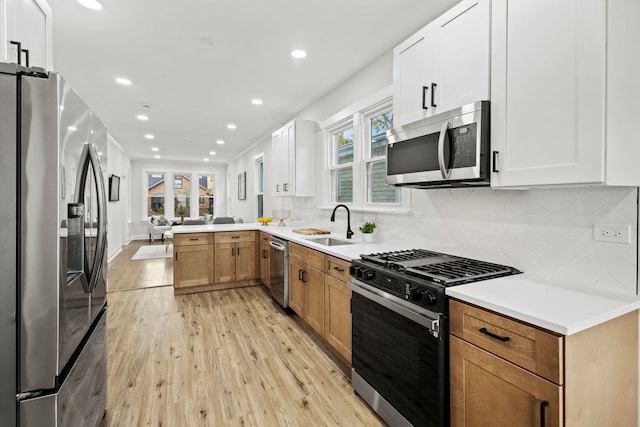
(449, 149)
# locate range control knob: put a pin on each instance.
(368, 274)
(415, 295)
(429, 298)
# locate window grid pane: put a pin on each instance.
(206, 194)
(378, 190)
(344, 146)
(343, 185)
(181, 192)
(155, 194)
(379, 126)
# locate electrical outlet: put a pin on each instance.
(418, 217)
(612, 233)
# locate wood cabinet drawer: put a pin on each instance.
(337, 268)
(235, 236)
(297, 251)
(529, 347)
(190, 239)
(265, 237)
(315, 259)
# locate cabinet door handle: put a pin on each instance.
(19, 46)
(492, 335)
(26, 51)
(233, 251)
(238, 251)
(264, 254)
(304, 277)
(495, 162)
(543, 412)
(277, 188)
(433, 94)
(285, 186)
(176, 256)
(300, 275)
(424, 97)
(338, 269)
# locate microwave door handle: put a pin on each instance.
(444, 132)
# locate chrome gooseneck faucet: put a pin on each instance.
(333, 218)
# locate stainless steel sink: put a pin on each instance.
(330, 241)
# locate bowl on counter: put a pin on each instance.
(281, 215)
(264, 221)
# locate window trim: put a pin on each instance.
(358, 116)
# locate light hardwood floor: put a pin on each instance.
(223, 358)
(125, 274)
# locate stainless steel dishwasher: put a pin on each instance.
(279, 270)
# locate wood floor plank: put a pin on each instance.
(223, 358)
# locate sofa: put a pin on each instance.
(158, 224)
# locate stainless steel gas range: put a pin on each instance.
(400, 333)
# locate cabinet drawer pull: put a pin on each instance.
(424, 97)
(495, 162)
(433, 94)
(194, 239)
(543, 419)
(235, 237)
(338, 269)
(492, 335)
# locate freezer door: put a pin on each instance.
(81, 400)
(8, 255)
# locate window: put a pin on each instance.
(206, 197)
(181, 195)
(260, 185)
(356, 154)
(155, 194)
(342, 148)
(377, 191)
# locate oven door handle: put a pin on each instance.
(426, 318)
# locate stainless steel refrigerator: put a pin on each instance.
(53, 246)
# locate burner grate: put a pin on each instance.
(460, 270)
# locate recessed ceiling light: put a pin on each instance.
(213, 153)
(123, 81)
(155, 149)
(205, 159)
(156, 156)
(142, 117)
(231, 126)
(299, 54)
(72, 128)
(256, 101)
(219, 142)
(149, 136)
(91, 4)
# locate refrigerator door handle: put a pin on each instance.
(89, 159)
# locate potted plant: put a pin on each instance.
(367, 231)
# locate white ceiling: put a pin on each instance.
(198, 63)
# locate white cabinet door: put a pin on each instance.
(548, 92)
(461, 56)
(28, 22)
(412, 77)
(293, 159)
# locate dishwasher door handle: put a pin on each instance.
(278, 246)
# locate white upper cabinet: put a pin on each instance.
(293, 159)
(30, 23)
(444, 65)
(562, 88)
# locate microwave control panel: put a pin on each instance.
(464, 140)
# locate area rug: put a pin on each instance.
(153, 251)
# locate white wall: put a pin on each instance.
(139, 226)
(118, 224)
(545, 232)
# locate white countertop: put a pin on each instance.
(350, 251)
(522, 296)
(560, 310)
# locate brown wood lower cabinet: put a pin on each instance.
(505, 373)
(210, 261)
(337, 318)
(306, 294)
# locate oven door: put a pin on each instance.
(400, 360)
